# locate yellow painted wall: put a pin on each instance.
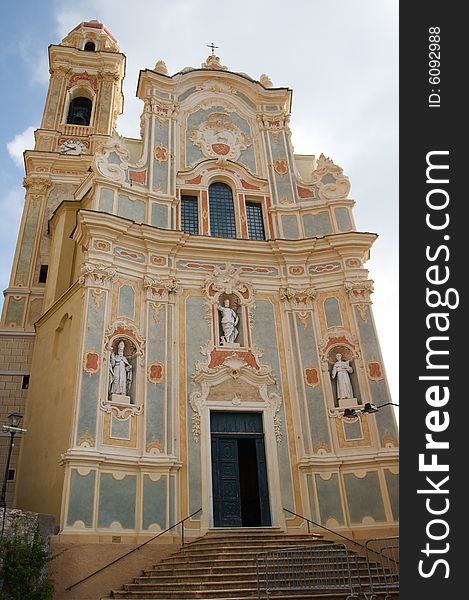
(49, 412)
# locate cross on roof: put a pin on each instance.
(212, 46)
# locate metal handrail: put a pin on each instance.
(323, 527)
(330, 530)
(181, 522)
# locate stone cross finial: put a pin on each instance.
(212, 46)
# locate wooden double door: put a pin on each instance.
(239, 474)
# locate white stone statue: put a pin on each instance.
(120, 377)
(342, 369)
(229, 320)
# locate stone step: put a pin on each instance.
(298, 595)
(232, 594)
(241, 544)
(250, 552)
(218, 568)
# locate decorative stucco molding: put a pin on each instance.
(161, 290)
(234, 368)
(359, 291)
(97, 275)
(329, 179)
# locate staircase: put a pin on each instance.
(222, 566)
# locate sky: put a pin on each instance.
(339, 57)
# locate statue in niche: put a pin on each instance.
(120, 376)
(229, 320)
(341, 369)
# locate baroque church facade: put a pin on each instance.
(198, 310)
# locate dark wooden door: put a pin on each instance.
(225, 475)
(263, 485)
(239, 473)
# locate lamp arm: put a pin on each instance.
(387, 403)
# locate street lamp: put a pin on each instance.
(12, 428)
(353, 413)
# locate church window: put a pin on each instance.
(79, 112)
(255, 221)
(43, 273)
(190, 214)
(222, 216)
(90, 46)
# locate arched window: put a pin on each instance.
(222, 217)
(90, 46)
(79, 111)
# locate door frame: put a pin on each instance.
(271, 457)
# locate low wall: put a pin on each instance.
(76, 560)
(25, 523)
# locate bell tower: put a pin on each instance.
(83, 102)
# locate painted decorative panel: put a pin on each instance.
(342, 216)
(307, 358)
(290, 227)
(379, 392)
(364, 497)
(117, 501)
(81, 496)
(90, 378)
(159, 215)
(161, 156)
(131, 209)
(281, 168)
(106, 200)
(265, 335)
(328, 492)
(27, 242)
(332, 311)
(352, 431)
(392, 483)
(126, 302)
(197, 334)
(15, 311)
(156, 355)
(155, 502)
(317, 225)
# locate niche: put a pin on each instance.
(231, 321)
(344, 382)
(122, 363)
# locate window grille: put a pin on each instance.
(222, 217)
(189, 215)
(255, 221)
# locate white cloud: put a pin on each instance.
(21, 142)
